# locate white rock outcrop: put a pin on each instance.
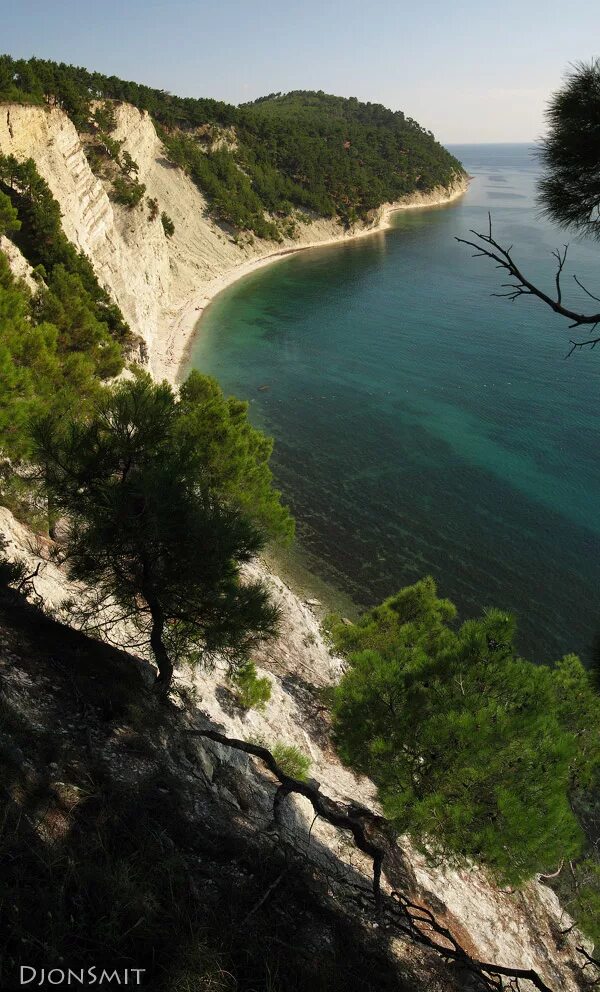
(19, 265)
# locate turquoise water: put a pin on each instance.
(422, 426)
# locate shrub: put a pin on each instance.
(9, 219)
(127, 164)
(153, 210)
(127, 191)
(168, 225)
(110, 146)
(291, 760)
(105, 117)
(251, 691)
(95, 157)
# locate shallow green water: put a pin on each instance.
(422, 426)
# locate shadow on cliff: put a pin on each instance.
(128, 844)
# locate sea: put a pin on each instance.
(424, 425)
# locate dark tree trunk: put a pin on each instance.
(51, 512)
(165, 666)
(161, 656)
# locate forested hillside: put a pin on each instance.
(260, 163)
(353, 156)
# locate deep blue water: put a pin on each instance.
(423, 426)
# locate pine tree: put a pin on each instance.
(150, 532)
(474, 750)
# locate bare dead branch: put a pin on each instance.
(588, 343)
(27, 580)
(581, 286)
(561, 259)
(588, 957)
(554, 874)
(372, 834)
(486, 246)
(264, 897)
(357, 823)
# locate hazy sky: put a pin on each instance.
(471, 71)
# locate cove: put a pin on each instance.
(423, 426)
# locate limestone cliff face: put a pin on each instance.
(130, 255)
(19, 265)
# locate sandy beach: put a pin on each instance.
(172, 362)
